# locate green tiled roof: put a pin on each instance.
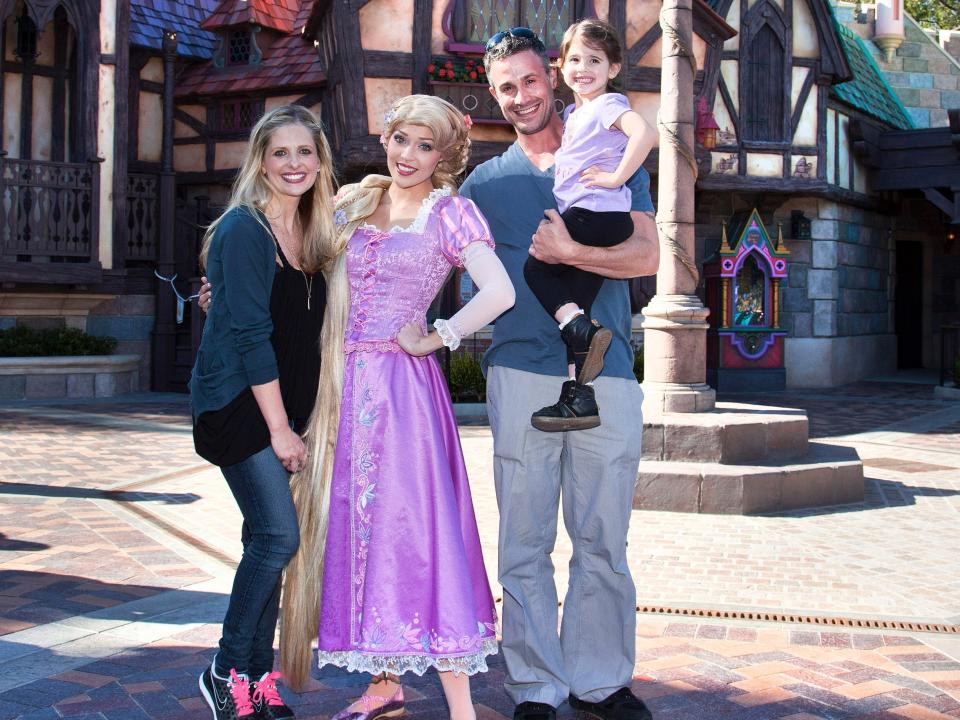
(868, 91)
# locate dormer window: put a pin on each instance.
(239, 47)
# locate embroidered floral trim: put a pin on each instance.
(448, 332)
(420, 221)
(362, 490)
(372, 346)
(358, 661)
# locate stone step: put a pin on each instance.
(827, 475)
(733, 434)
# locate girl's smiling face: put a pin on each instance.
(412, 155)
(587, 70)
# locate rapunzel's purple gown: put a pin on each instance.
(404, 586)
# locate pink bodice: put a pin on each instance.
(395, 274)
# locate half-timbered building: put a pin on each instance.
(124, 122)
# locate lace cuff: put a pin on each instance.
(448, 332)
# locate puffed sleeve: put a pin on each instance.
(461, 223)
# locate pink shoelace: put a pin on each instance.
(240, 692)
(266, 689)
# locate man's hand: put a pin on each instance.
(593, 176)
(552, 243)
(206, 294)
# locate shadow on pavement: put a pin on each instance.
(36, 598)
(8, 544)
(59, 491)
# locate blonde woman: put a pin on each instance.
(255, 379)
(403, 583)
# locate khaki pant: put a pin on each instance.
(594, 472)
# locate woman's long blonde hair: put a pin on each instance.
(311, 486)
(252, 190)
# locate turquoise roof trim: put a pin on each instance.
(869, 90)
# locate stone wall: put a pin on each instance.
(836, 303)
(923, 74)
(128, 318)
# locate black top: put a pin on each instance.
(235, 432)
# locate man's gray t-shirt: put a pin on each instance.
(512, 194)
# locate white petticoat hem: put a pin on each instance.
(359, 661)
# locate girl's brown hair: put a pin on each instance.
(595, 34)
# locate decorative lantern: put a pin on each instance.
(745, 344)
(706, 125)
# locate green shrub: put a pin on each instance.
(638, 362)
(27, 342)
(466, 382)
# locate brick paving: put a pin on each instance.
(117, 545)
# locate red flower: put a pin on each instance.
(473, 76)
(481, 70)
(442, 73)
(448, 65)
(430, 68)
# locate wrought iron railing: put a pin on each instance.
(48, 210)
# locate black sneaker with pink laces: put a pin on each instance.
(228, 698)
(266, 698)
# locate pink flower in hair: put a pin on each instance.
(468, 121)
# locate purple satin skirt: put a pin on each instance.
(404, 585)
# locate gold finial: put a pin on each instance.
(781, 248)
(724, 245)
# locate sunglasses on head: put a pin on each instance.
(517, 32)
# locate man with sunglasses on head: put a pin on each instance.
(590, 662)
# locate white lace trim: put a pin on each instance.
(357, 661)
(448, 332)
(420, 221)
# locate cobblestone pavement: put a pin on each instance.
(117, 545)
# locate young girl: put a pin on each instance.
(403, 582)
(255, 379)
(604, 143)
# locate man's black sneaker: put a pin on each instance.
(534, 711)
(266, 698)
(622, 705)
(575, 410)
(228, 699)
(589, 341)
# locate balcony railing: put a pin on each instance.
(143, 216)
(48, 211)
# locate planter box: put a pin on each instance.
(36, 378)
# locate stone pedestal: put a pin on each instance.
(741, 459)
(674, 336)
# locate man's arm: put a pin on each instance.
(636, 256)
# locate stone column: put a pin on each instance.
(675, 320)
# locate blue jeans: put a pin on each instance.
(270, 536)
